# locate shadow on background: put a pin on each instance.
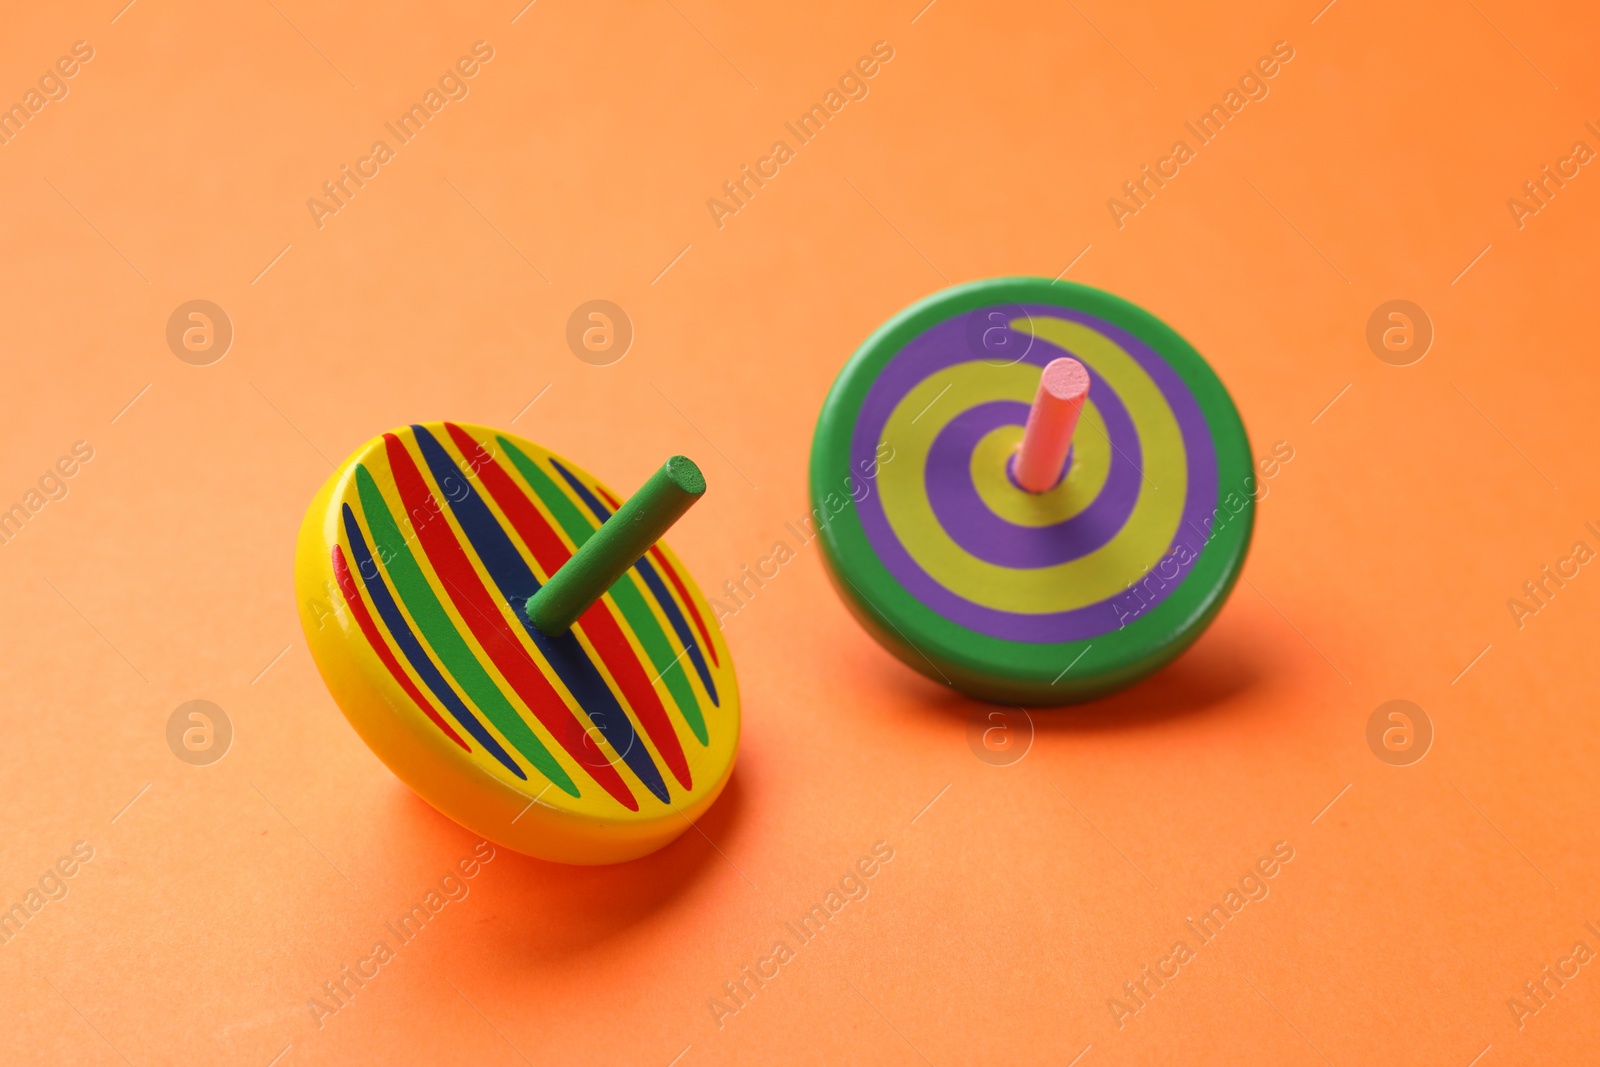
(550, 910)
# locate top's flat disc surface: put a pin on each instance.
(414, 566)
(1009, 595)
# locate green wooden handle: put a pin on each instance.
(616, 546)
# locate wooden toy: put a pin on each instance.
(1097, 577)
(595, 730)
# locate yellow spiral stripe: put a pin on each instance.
(1091, 464)
(1100, 575)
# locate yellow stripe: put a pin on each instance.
(1091, 464)
(1065, 586)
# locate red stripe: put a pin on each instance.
(358, 608)
(483, 617)
(677, 583)
(598, 623)
(688, 602)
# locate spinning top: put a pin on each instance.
(515, 645)
(1032, 491)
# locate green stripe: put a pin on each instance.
(453, 651)
(631, 602)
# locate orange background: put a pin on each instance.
(1016, 905)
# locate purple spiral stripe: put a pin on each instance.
(945, 345)
(968, 520)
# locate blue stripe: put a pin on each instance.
(400, 630)
(517, 583)
(658, 588)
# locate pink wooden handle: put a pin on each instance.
(1062, 391)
